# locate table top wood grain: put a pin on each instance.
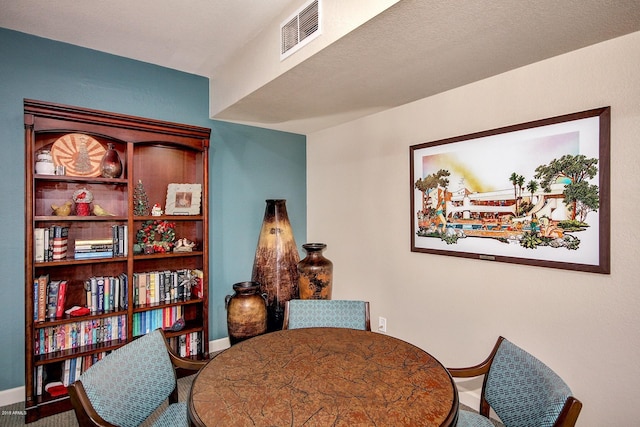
(323, 377)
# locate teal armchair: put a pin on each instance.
(522, 391)
(128, 385)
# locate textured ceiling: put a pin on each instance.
(418, 48)
(195, 36)
(414, 49)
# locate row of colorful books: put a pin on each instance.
(50, 243)
(50, 378)
(187, 345)
(103, 294)
(80, 334)
(107, 293)
(49, 298)
(115, 246)
(147, 321)
(166, 286)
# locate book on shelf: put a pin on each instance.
(58, 237)
(35, 299)
(58, 249)
(94, 248)
(93, 255)
(38, 244)
(62, 296)
(197, 289)
(52, 298)
(100, 298)
(124, 286)
(43, 283)
(102, 241)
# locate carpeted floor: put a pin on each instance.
(10, 416)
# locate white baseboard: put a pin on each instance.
(472, 400)
(15, 395)
(220, 344)
(11, 396)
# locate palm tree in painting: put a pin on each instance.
(532, 187)
(517, 181)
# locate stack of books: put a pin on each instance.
(50, 244)
(93, 248)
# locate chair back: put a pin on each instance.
(327, 313)
(522, 390)
(132, 382)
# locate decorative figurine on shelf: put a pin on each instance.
(156, 210)
(140, 200)
(178, 325)
(63, 210)
(99, 211)
(183, 245)
(82, 199)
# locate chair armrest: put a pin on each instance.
(569, 414)
(189, 364)
(479, 369)
(85, 413)
(182, 362)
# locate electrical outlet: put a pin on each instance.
(382, 324)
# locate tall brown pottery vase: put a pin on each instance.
(246, 312)
(315, 273)
(275, 264)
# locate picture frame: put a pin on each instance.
(183, 199)
(535, 193)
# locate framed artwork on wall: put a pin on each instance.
(535, 193)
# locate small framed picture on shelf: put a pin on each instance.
(183, 199)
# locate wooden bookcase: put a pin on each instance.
(155, 153)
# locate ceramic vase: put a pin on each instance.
(111, 165)
(246, 312)
(315, 273)
(275, 263)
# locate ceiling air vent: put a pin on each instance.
(300, 28)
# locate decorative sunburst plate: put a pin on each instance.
(80, 154)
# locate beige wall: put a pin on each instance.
(585, 326)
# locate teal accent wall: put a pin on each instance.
(247, 164)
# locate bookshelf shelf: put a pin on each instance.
(60, 346)
(64, 219)
(73, 261)
(86, 180)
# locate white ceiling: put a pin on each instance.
(414, 49)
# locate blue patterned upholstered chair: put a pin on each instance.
(522, 391)
(129, 384)
(311, 313)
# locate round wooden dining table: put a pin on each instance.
(323, 377)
